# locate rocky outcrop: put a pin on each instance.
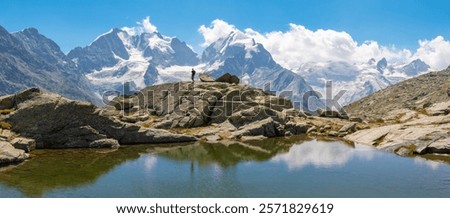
(215, 111)
(225, 111)
(56, 122)
(187, 105)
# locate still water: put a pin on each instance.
(295, 167)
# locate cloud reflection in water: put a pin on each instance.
(322, 154)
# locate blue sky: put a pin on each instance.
(76, 23)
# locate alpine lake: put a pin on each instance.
(278, 167)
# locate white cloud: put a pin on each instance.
(147, 26)
(300, 45)
(321, 154)
(217, 30)
(144, 26)
(435, 53)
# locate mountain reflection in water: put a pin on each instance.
(278, 167)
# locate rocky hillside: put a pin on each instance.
(29, 59)
(413, 94)
(411, 117)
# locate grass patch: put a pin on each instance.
(6, 111)
(5, 125)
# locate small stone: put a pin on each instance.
(6, 134)
(24, 144)
(143, 117)
(311, 129)
(129, 119)
(333, 133)
(212, 138)
(9, 154)
(355, 119)
(342, 134)
(104, 143)
(253, 138)
(349, 127)
(166, 124)
(404, 151)
(184, 122)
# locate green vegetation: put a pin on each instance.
(6, 111)
(5, 125)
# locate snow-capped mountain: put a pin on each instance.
(144, 59)
(358, 80)
(121, 55)
(398, 72)
(29, 59)
(240, 55)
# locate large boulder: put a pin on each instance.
(9, 154)
(228, 78)
(206, 78)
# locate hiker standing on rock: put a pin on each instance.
(193, 74)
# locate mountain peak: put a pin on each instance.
(416, 67)
(418, 61)
(31, 31)
(382, 64)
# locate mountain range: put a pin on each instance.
(141, 59)
(29, 59)
(358, 80)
